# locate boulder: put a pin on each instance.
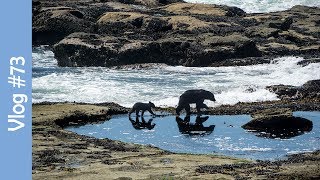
(165, 2)
(118, 22)
(297, 38)
(284, 91)
(188, 24)
(306, 20)
(262, 32)
(235, 45)
(282, 24)
(310, 89)
(203, 9)
(272, 112)
(157, 25)
(54, 23)
(150, 3)
(291, 32)
(84, 49)
(278, 123)
(280, 49)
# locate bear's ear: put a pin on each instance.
(150, 102)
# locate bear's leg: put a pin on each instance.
(198, 110)
(187, 108)
(151, 112)
(142, 119)
(143, 112)
(204, 106)
(200, 105)
(179, 108)
(131, 111)
(137, 113)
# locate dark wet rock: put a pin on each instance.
(79, 119)
(306, 62)
(54, 23)
(119, 22)
(278, 123)
(307, 21)
(272, 112)
(312, 86)
(96, 10)
(36, 6)
(284, 91)
(157, 25)
(82, 49)
(310, 89)
(203, 9)
(262, 32)
(150, 3)
(166, 2)
(291, 32)
(283, 24)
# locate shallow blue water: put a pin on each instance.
(227, 137)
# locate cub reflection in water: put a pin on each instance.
(143, 124)
(197, 128)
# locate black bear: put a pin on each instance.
(142, 107)
(196, 96)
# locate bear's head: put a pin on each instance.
(210, 96)
(151, 104)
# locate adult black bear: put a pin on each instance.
(196, 96)
(142, 107)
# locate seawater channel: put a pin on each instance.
(214, 134)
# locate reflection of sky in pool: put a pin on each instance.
(227, 138)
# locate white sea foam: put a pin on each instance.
(42, 56)
(300, 151)
(258, 6)
(164, 85)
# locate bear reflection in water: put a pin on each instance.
(197, 128)
(184, 125)
(143, 124)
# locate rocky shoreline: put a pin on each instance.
(112, 33)
(58, 153)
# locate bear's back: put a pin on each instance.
(141, 106)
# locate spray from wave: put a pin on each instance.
(259, 6)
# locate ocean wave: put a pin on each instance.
(259, 6)
(165, 84)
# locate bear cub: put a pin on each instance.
(139, 106)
